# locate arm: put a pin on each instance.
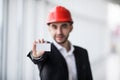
(37, 56)
(37, 60)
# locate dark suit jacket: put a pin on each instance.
(52, 65)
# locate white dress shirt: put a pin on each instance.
(70, 60)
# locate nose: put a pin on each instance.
(59, 31)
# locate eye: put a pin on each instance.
(64, 25)
(54, 27)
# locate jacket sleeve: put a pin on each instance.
(37, 60)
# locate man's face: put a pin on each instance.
(60, 31)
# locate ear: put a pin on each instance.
(71, 28)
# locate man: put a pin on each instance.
(65, 61)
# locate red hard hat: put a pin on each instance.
(59, 14)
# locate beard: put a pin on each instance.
(62, 40)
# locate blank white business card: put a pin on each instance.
(43, 47)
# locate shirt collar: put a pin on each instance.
(59, 47)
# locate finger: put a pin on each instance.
(35, 42)
(34, 46)
(42, 41)
(39, 40)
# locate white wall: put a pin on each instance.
(26, 22)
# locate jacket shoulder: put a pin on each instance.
(79, 48)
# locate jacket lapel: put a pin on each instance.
(60, 59)
(79, 63)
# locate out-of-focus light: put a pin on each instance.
(113, 15)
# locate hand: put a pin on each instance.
(35, 53)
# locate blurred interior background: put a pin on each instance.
(96, 28)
